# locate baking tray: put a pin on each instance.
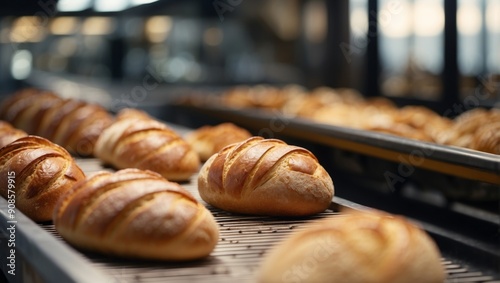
(393, 160)
(43, 256)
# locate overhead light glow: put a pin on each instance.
(396, 24)
(469, 18)
(64, 25)
(73, 5)
(27, 29)
(493, 16)
(141, 2)
(158, 28)
(316, 21)
(359, 21)
(111, 6)
(98, 26)
(428, 18)
(21, 64)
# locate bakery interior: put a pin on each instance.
(397, 99)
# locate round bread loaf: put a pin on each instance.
(265, 177)
(208, 140)
(136, 214)
(355, 248)
(42, 171)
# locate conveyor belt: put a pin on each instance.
(244, 240)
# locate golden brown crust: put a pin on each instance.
(73, 124)
(416, 116)
(26, 108)
(402, 130)
(267, 177)
(135, 140)
(346, 107)
(208, 140)
(9, 134)
(487, 138)
(129, 113)
(356, 247)
(475, 129)
(379, 115)
(428, 123)
(137, 214)
(43, 172)
(259, 96)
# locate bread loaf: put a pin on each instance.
(487, 138)
(476, 129)
(208, 140)
(43, 172)
(259, 96)
(346, 107)
(73, 124)
(135, 214)
(355, 248)
(9, 134)
(266, 177)
(135, 140)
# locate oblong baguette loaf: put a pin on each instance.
(74, 124)
(208, 140)
(136, 140)
(26, 108)
(136, 214)
(9, 134)
(266, 177)
(71, 123)
(43, 172)
(356, 248)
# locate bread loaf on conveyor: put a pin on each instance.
(266, 177)
(356, 247)
(208, 140)
(346, 107)
(136, 214)
(41, 172)
(136, 140)
(476, 129)
(9, 134)
(71, 123)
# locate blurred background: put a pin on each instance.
(435, 53)
(441, 54)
